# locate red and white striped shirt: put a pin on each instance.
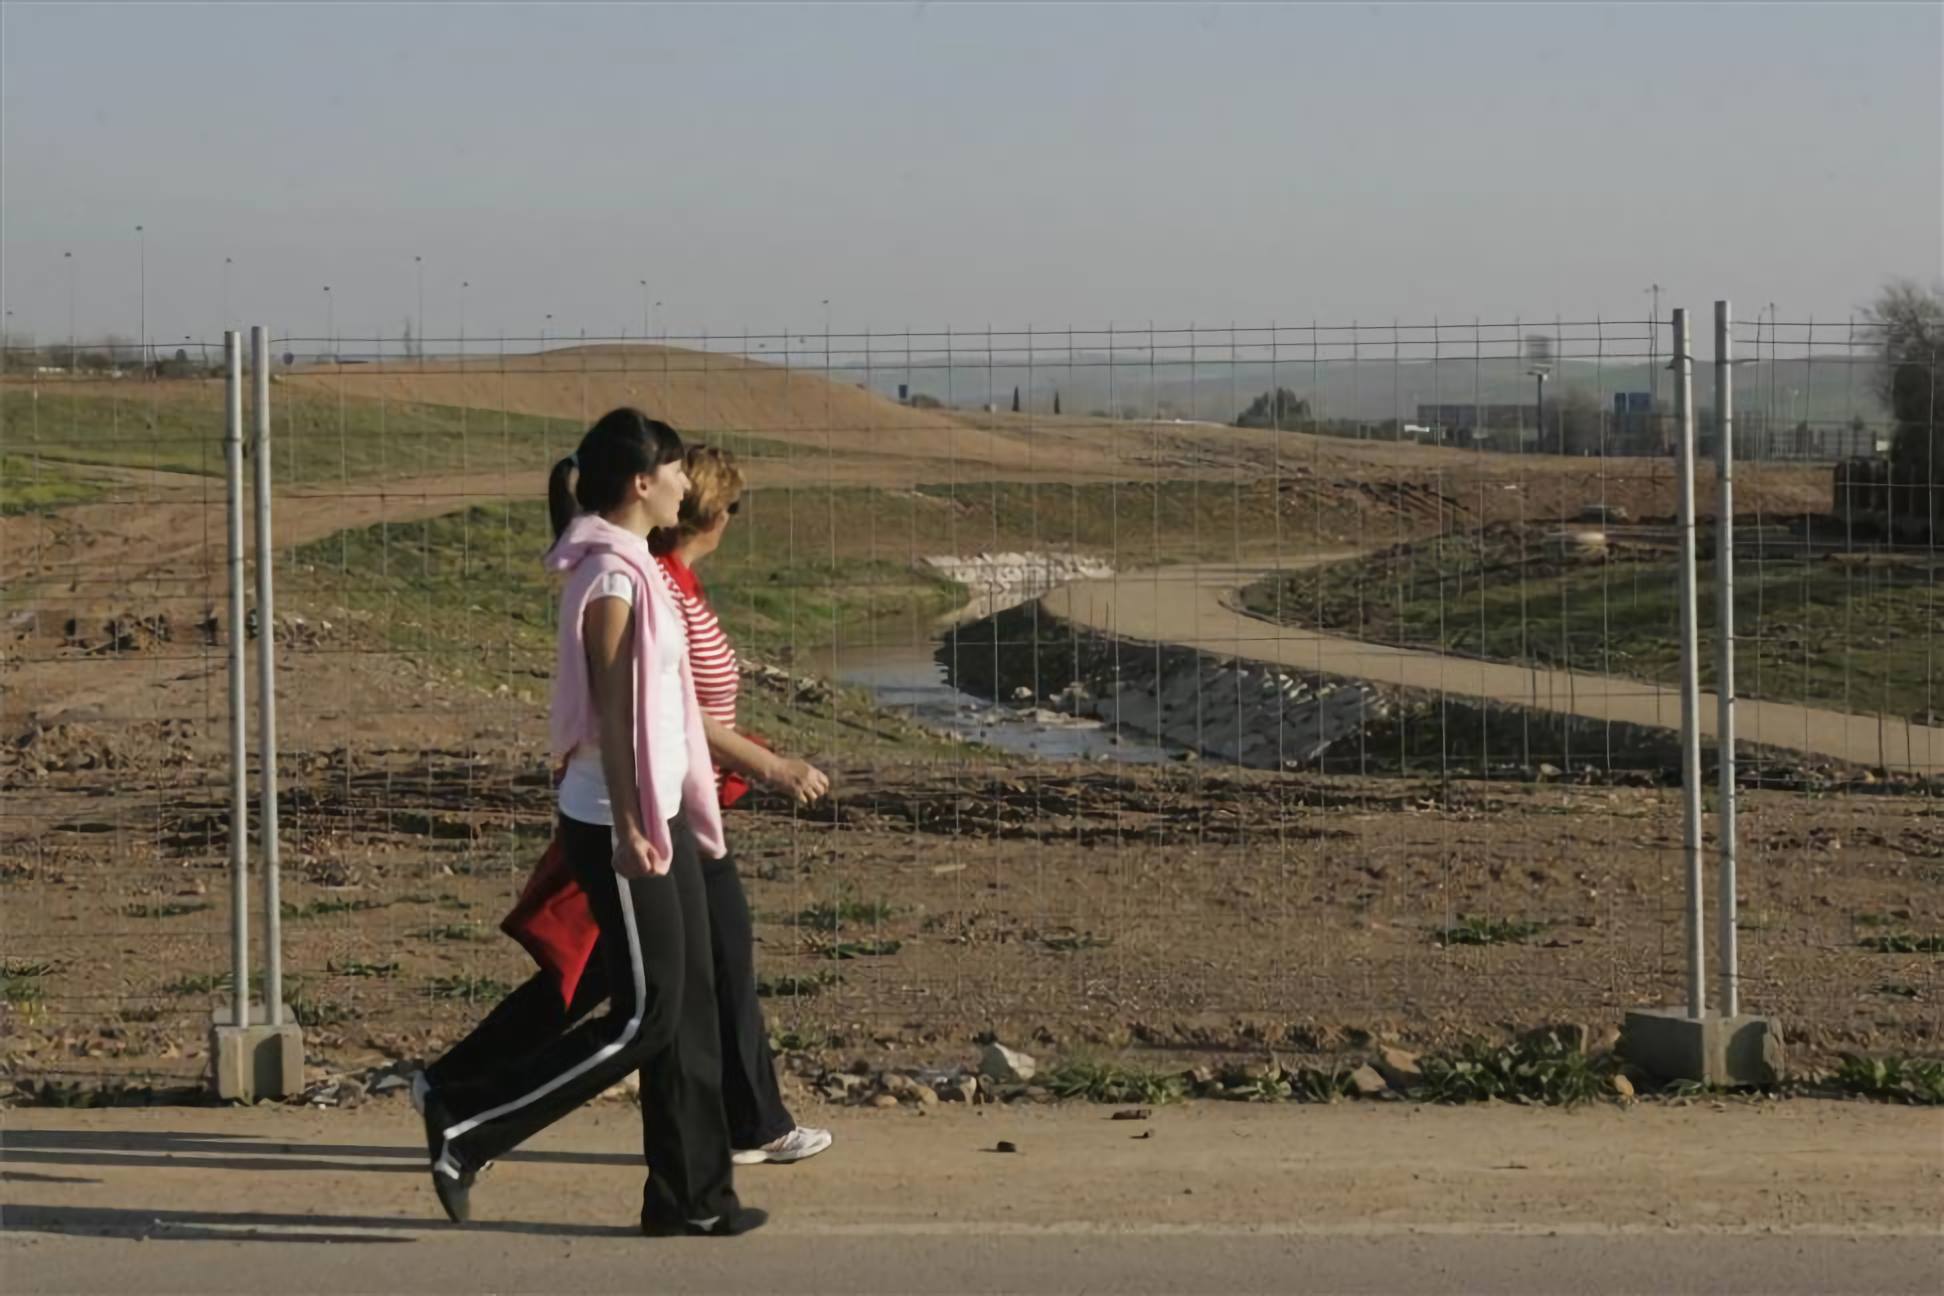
(712, 658)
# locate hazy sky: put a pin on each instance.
(920, 165)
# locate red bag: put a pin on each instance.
(553, 922)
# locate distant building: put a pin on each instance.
(1482, 426)
(1760, 438)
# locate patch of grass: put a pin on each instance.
(1315, 1084)
(360, 968)
(197, 983)
(205, 983)
(20, 990)
(882, 947)
(472, 989)
(1881, 919)
(1538, 1070)
(1918, 1081)
(845, 912)
(317, 436)
(105, 1093)
(442, 901)
(1897, 990)
(467, 590)
(1904, 943)
(1068, 941)
(1110, 1082)
(797, 985)
(1135, 524)
(451, 932)
(1255, 1089)
(790, 1041)
(32, 485)
(315, 1010)
(167, 909)
(1476, 929)
(325, 906)
(1854, 637)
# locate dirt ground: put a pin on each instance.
(1723, 1197)
(1072, 909)
(1159, 914)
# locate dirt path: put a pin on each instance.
(1791, 1197)
(1192, 605)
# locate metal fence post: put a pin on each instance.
(1690, 670)
(266, 678)
(1724, 403)
(239, 745)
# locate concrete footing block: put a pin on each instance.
(1722, 1051)
(258, 1060)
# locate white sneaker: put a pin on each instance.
(800, 1144)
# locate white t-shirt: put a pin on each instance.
(583, 790)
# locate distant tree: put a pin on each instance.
(1056, 402)
(410, 344)
(1278, 409)
(1910, 377)
(1015, 408)
(177, 366)
(919, 400)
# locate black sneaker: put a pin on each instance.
(733, 1223)
(452, 1178)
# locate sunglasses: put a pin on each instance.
(733, 507)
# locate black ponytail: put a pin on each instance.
(560, 495)
(623, 444)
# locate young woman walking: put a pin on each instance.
(637, 812)
(553, 921)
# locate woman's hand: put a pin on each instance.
(802, 780)
(631, 857)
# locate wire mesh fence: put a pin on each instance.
(1182, 689)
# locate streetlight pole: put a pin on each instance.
(142, 348)
(463, 285)
(1653, 367)
(644, 308)
(1540, 416)
(226, 292)
(69, 258)
(418, 266)
(330, 323)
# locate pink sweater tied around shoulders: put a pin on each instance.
(591, 547)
